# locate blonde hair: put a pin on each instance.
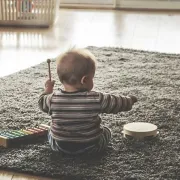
(74, 64)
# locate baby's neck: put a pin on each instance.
(70, 88)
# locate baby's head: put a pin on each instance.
(76, 69)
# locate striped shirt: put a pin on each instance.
(75, 116)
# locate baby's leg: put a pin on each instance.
(100, 146)
(103, 141)
(52, 143)
(55, 146)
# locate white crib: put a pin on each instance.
(41, 13)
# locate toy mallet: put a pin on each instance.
(49, 68)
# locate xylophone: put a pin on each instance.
(11, 138)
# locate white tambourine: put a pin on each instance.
(140, 130)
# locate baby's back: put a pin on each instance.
(75, 116)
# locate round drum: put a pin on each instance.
(139, 130)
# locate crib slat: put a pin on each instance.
(16, 6)
(12, 9)
(42, 10)
(10, 13)
(28, 12)
(6, 10)
(45, 10)
(49, 10)
(1, 7)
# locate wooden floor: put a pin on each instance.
(21, 48)
(5, 175)
(154, 31)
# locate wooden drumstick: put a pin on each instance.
(49, 68)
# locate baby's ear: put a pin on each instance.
(84, 79)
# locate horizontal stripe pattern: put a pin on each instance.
(75, 116)
(44, 102)
(114, 104)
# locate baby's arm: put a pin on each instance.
(44, 101)
(114, 104)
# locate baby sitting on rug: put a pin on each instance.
(76, 125)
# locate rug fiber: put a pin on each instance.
(153, 77)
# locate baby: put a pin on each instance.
(76, 125)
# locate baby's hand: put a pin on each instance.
(49, 85)
(134, 98)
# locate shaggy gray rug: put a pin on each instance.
(153, 77)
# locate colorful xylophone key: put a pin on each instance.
(16, 137)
